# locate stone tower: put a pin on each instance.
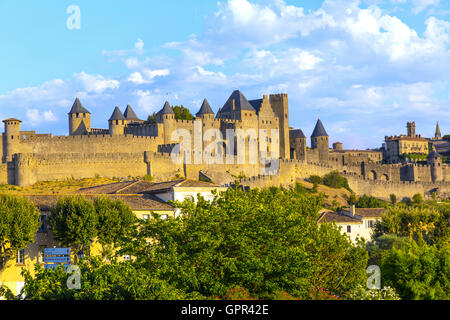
(79, 119)
(205, 112)
(411, 126)
(117, 123)
(298, 144)
(438, 134)
(130, 116)
(11, 138)
(166, 116)
(434, 160)
(319, 141)
(280, 106)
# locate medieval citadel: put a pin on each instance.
(130, 147)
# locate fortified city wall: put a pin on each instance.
(292, 171)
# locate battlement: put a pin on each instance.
(148, 155)
(100, 137)
(279, 96)
(31, 159)
(185, 121)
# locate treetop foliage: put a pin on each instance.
(19, 222)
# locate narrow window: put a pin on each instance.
(21, 256)
(43, 223)
(349, 229)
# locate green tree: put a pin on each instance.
(418, 272)
(421, 224)
(182, 113)
(352, 199)
(393, 198)
(265, 241)
(366, 201)
(417, 198)
(151, 119)
(315, 179)
(335, 180)
(116, 223)
(19, 222)
(99, 281)
(74, 222)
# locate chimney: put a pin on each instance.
(352, 210)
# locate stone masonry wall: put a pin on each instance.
(32, 168)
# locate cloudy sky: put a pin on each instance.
(365, 67)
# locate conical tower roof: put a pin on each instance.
(130, 114)
(205, 108)
(434, 154)
(117, 115)
(438, 131)
(240, 103)
(297, 134)
(167, 109)
(78, 107)
(319, 130)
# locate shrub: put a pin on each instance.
(315, 179)
(393, 198)
(417, 198)
(336, 181)
(361, 293)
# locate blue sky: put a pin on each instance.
(366, 67)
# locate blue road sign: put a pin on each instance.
(57, 259)
(56, 251)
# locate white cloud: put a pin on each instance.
(139, 46)
(147, 76)
(420, 5)
(149, 101)
(36, 117)
(96, 83)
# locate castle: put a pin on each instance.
(130, 147)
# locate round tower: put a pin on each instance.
(166, 116)
(117, 123)
(79, 119)
(205, 112)
(297, 141)
(435, 162)
(320, 141)
(11, 138)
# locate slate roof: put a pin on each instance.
(240, 103)
(165, 186)
(434, 154)
(319, 130)
(111, 188)
(296, 134)
(130, 114)
(78, 107)
(205, 108)
(256, 104)
(369, 212)
(438, 130)
(136, 202)
(167, 109)
(338, 218)
(142, 187)
(12, 119)
(117, 115)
